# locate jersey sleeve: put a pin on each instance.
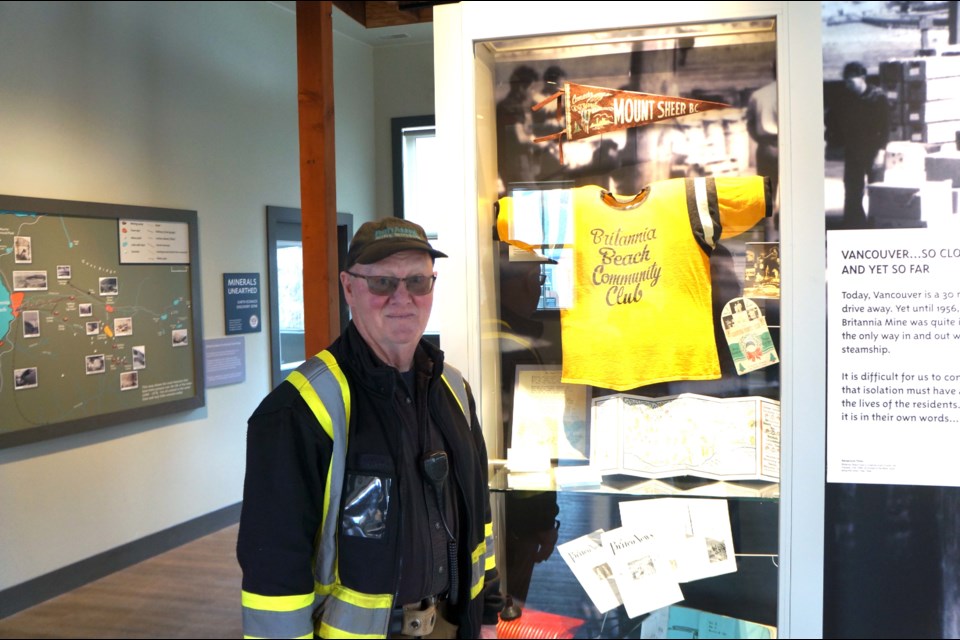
(742, 203)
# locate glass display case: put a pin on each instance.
(635, 320)
(624, 262)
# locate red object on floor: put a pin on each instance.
(538, 624)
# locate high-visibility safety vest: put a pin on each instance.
(334, 610)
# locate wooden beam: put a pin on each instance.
(318, 180)
(387, 14)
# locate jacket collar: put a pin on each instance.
(377, 376)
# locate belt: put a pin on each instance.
(417, 619)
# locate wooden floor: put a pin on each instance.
(192, 591)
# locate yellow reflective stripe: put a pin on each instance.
(309, 396)
(489, 561)
(365, 600)
(309, 635)
(476, 569)
(326, 631)
(275, 603)
(351, 614)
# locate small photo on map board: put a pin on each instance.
(88, 280)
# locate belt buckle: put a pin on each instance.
(419, 619)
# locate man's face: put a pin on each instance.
(856, 84)
(395, 322)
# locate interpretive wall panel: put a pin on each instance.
(99, 316)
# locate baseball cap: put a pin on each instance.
(376, 240)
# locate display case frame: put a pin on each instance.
(464, 117)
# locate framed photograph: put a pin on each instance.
(123, 327)
(129, 380)
(95, 364)
(109, 286)
(761, 272)
(29, 280)
(80, 301)
(548, 414)
(22, 250)
(25, 378)
(139, 355)
(179, 337)
(31, 324)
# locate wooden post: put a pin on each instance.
(318, 179)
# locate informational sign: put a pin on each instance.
(241, 303)
(224, 361)
(894, 353)
(154, 242)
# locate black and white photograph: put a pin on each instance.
(891, 115)
(31, 324)
(109, 286)
(139, 356)
(179, 337)
(93, 328)
(96, 363)
(891, 90)
(25, 378)
(29, 280)
(129, 380)
(63, 272)
(123, 327)
(22, 249)
(711, 143)
(85, 309)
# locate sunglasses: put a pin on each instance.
(387, 285)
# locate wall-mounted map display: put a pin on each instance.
(99, 316)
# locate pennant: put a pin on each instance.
(590, 111)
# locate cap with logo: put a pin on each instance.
(376, 240)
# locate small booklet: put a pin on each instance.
(694, 533)
(641, 569)
(589, 561)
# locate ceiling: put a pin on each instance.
(380, 24)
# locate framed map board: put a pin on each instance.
(100, 316)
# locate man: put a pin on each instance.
(366, 511)
(763, 127)
(864, 126)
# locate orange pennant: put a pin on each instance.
(591, 111)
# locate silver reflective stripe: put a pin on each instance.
(454, 380)
(327, 387)
(703, 211)
(278, 624)
(476, 575)
(341, 618)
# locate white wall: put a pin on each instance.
(188, 105)
(353, 107)
(403, 82)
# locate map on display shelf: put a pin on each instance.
(99, 316)
(686, 435)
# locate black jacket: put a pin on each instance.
(288, 454)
